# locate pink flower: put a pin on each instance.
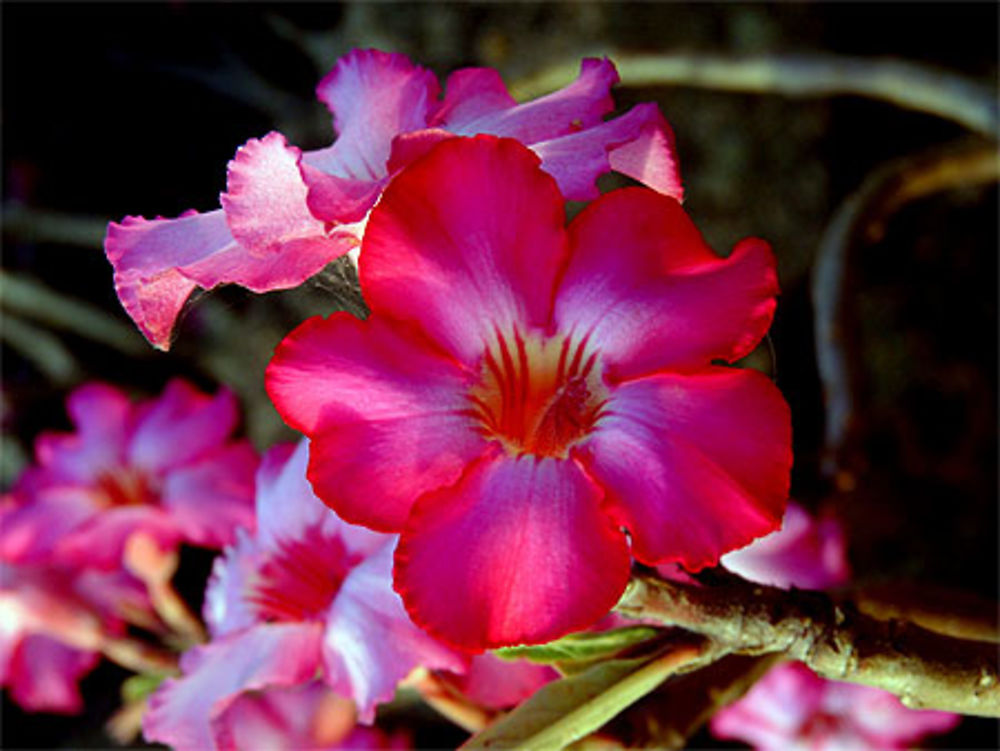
(498, 683)
(792, 709)
(286, 213)
(805, 553)
(166, 467)
(52, 623)
(522, 390)
(307, 595)
(304, 717)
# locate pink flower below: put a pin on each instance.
(792, 709)
(304, 717)
(53, 621)
(307, 595)
(286, 214)
(523, 390)
(166, 467)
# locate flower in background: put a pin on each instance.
(167, 468)
(792, 709)
(304, 717)
(523, 390)
(806, 553)
(53, 623)
(286, 214)
(308, 594)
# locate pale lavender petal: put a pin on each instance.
(370, 643)
(181, 712)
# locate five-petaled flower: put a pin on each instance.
(167, 468)
(523, 390)
(307, 595)
(286, 214)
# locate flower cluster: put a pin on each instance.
(532, 405)
(162, 471)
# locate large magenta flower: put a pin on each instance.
(286, 214)
(523, 390)
(166, 467)
(307, 595)
(793, 709)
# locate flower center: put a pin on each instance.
(126, 486)
(299, 579)
(537, 395)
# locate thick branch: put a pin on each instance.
(924, 668)
(905, 84)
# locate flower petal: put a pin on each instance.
(373, 96)
(639, 144)
(694, 465)
(265, 202)
(466, 240)
(102, 416)
(471, 94)
(226, 608)
(384, 411)
(146, 256)
(287, 507)
(805, 553)
(667, 302)
(181, 426)
(581, 104)
(501, 683)
(44, 675)
(182, 710)
(518, 551)
(209, 499)
(370, 643)
(100, 541)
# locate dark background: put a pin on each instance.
(115, 109)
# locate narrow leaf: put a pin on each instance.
(568, 709)
(586, 645)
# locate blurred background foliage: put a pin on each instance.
(115, 109)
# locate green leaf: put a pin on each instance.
(138, 687)
(568, 709)
(583, 646)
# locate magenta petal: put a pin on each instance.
(100, 541)
(374, 96)
(694, 465)
(639, 144)
(500, 683)
(146, 255)
(182, 710)
(466, 240)
(102, 416)
(34, 525)
(385, 413)
(669, 302)
(337, 199)
(370, 643)
(518, 551)
(209, 499)
(181, 426)
(471, 94)
(44, 675)
(580, 105)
